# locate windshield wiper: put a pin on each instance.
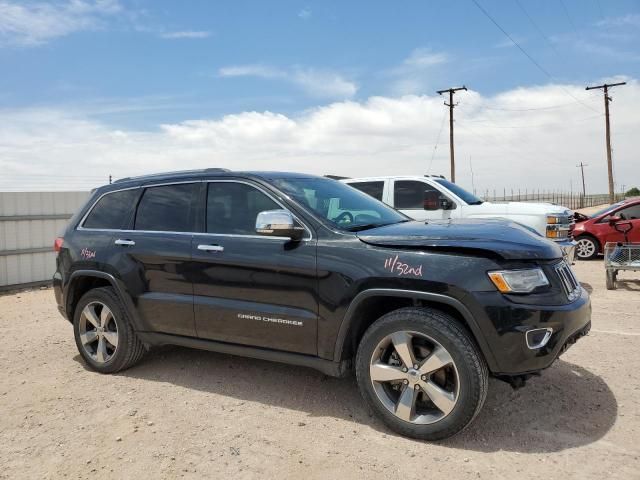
(477, 202)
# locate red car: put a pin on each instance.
(592, 232)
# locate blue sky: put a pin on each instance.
(134, 66)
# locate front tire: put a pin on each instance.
(104, 336)
(421, 373)
(587, 248)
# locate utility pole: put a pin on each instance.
(582, 165)
(451, 105)
(584, 190)
(607, 99)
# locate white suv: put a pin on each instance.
(436, 198)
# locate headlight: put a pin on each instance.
(554, 219)
(518, 281)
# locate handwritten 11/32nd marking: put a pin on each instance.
(400, 268)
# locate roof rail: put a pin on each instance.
(437, 176)
(178, 172)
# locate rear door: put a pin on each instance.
(153, 257)
(251, 289)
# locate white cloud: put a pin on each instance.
(185, 34)
(252, 70)
(31, 24)
(629, 20)
(305, 13)
(510, 148)
(415, 74)
(422, 58)
(317, 83)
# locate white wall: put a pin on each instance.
(20, 233)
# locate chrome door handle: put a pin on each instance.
(211, 248)
(128, 243)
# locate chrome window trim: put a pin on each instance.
(229, 235)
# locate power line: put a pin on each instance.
(435, 147)
(551, 107)
(526, 54)
(566, 11)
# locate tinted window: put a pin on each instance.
(113, 211)
(166, 209)
(374, 189)
(629, 213)
(232, 208)
(410, 194)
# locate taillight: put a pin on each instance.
(57, 244)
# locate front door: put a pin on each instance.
(414, 199)
(250, 289)
(629, 214)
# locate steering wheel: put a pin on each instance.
(343, 216)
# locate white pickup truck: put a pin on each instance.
(436, 198)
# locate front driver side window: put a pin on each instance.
(232, 208)
(630, 213)
(412, 194)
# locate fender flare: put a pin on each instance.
(124, 297)
(430, 297)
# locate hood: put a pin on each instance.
(507, 239)
(520, 208)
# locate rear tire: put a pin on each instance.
(103, 333)
(440, 397)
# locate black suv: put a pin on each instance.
(309, 271)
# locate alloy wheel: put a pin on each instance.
(585, 248)
(98, 332)
(414, 377)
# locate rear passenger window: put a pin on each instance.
(373, 189)
(167, 208)
(232, 208)
(113, 211)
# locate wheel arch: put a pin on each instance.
(369, 305)
(82, 281)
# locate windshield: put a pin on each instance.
(341, 205)
(467, 197)
(606, 209)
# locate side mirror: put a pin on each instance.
(614, 219)
(446, 204)
(278, 223)
(431, 201)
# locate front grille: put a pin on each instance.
(570, 284)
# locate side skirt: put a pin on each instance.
(328, 367)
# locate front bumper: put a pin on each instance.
(505, 325)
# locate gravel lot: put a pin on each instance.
(193, 414)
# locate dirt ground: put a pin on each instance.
(188, 413)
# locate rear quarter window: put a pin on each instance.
(113, 211)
